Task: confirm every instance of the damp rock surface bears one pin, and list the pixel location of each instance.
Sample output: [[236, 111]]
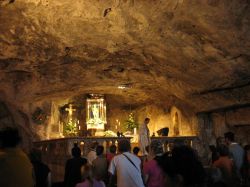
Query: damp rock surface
[[186, 53]]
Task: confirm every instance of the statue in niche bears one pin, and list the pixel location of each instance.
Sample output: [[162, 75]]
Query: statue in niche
[[95, 112], [176, 124]]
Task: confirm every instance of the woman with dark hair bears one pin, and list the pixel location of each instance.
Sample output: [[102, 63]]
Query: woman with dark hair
[[182, 169], [42, 171], [153, 175]]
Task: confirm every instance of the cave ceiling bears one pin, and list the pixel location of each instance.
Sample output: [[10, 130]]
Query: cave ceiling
[[173, 52]]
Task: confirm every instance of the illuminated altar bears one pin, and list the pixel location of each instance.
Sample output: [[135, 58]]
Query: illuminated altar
[[96, 112]]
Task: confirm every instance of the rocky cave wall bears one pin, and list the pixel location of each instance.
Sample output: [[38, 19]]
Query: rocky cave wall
[[214, 124]]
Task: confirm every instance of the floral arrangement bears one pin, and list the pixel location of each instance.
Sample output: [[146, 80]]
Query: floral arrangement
[[109, 133], [70, 128], [130, 123]]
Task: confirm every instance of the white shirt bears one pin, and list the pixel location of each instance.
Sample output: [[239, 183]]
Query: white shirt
[[127, 174], [238, 155]]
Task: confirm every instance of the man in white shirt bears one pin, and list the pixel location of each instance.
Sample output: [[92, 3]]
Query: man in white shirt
[[236, 151], [126, 166]]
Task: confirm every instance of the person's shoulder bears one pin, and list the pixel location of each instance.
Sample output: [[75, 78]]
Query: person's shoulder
[[117, 157], [236, 146], [132, 156], [151, 162]]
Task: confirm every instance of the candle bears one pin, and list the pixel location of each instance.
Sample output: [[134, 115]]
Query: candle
[[79, 127], [116, 127], [134, 131]]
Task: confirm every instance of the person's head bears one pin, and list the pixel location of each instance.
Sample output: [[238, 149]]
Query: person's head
[[124, 146], [147, 120], [223, 150], [99, 150], [229, 137], [136, 150], [112, 149], [9, 137], [75, 144], [87, 172], [76, 152], [184, 167], [171, 176], [155, 148]]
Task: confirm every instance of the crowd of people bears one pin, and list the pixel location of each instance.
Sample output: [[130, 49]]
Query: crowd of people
[[123, 167]]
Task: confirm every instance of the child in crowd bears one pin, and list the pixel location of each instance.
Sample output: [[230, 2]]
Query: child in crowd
[[88, 179]]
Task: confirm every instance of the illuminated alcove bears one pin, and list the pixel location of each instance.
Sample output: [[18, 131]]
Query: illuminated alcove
[[96, 112]]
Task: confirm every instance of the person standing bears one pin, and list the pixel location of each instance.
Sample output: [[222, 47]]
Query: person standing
[[15, 166], [126, 166], [73, 166], [236, 151], [153, 174], [144, 136], [41, 170], [225, 166], [100, 165]]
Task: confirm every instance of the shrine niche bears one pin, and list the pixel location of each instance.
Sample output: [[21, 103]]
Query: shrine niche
[[69, 123], [96, 112]]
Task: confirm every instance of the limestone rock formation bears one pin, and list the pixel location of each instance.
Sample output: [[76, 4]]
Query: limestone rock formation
[[191, 54]]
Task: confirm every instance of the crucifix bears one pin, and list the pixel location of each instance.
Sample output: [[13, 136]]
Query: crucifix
[[70, 110]]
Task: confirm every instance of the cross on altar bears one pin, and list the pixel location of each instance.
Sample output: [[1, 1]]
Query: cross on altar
[[70, 110]]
